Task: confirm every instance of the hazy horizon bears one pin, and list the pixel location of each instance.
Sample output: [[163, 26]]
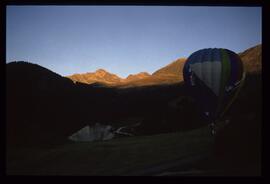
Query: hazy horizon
[[124, 39]]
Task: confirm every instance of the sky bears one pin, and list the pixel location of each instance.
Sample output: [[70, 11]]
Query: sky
[[124, 39]]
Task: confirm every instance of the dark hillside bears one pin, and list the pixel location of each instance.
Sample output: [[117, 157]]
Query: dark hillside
[[43, 107]]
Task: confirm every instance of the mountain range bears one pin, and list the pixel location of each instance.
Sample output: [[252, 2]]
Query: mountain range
[[171, 73], [43, 106], [166, 75]]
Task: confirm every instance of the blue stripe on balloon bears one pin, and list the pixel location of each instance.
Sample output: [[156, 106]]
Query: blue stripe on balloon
[[192, 58], [201, 55], [186, 73], [216, 56], [234, 68], [196, 56], [206, 55]]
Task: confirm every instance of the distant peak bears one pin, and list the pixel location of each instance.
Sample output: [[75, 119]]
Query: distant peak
[[138, 76], [144, 73], [101, 71]]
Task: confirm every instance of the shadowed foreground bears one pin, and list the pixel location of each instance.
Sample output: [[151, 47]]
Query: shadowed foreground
[[142, 155]]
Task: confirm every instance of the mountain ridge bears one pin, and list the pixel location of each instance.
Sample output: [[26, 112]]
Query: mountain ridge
[[100, 75], [171, 73], [252, 59]]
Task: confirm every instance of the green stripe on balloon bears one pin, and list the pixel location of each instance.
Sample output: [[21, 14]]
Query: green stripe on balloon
[[225, 75], [227, 65]]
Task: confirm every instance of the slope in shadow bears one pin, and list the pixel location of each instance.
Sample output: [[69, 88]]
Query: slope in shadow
[[44, 107]]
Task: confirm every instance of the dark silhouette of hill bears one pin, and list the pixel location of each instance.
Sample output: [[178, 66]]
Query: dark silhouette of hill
[[29, 90], [43, 107]]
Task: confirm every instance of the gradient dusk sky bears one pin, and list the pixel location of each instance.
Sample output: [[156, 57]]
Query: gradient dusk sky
[[124, 39]]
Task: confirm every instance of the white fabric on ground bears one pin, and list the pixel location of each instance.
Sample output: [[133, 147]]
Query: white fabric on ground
[[93, 133]]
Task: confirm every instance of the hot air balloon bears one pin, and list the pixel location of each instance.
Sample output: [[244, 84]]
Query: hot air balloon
[[213, 78]]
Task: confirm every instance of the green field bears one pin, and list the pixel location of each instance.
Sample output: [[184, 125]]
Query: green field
[[139, 155]]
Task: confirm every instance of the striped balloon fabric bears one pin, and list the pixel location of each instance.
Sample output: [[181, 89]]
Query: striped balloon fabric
[[214, 78]]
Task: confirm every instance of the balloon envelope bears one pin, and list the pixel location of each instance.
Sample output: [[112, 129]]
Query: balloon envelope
[[213, 77]]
